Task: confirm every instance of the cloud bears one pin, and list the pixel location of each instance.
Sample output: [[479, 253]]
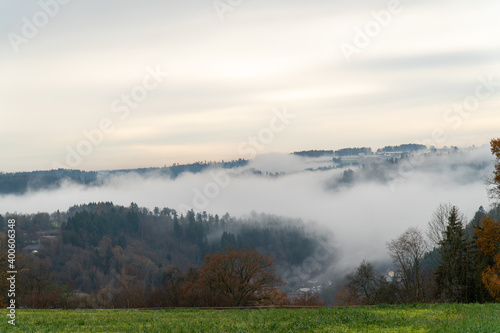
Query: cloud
[[263, 55]]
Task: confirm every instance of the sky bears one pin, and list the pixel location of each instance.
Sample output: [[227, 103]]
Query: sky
[[99, 85]]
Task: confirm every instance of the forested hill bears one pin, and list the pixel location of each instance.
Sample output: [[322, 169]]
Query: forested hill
[[86, 245], [22, 182]]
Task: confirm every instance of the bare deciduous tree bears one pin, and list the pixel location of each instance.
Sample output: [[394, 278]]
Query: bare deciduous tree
[[408, 251]]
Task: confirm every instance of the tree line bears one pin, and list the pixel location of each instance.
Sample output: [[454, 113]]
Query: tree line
[[22, 182]]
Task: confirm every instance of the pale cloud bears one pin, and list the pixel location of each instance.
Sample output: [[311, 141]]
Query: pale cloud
[[227, 75]]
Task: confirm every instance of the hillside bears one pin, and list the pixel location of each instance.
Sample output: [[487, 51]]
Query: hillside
[[88, 246]]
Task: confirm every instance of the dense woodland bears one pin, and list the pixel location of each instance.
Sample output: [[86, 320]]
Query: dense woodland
[[87, 249], [103, 255]]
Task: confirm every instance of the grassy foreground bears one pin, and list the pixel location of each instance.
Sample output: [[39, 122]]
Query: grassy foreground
[[412, 318]]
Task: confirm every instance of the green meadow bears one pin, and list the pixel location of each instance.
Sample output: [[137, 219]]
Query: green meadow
[[479, 318]]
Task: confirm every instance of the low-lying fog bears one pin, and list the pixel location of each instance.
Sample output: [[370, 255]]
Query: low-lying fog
[[364, 210]]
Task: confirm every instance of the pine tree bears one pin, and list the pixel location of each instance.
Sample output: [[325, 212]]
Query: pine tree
[[451, 275]]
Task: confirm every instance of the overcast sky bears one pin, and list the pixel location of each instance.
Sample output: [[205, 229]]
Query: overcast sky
[[416, 74]]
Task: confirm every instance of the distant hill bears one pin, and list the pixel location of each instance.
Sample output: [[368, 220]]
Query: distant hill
[[22, 182]]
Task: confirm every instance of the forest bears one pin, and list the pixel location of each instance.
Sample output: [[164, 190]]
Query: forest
[[88, 249]]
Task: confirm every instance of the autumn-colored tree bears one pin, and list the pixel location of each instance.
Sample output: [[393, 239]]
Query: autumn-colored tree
[[491, 279], [488, 240], [234, 278], [488, 234]]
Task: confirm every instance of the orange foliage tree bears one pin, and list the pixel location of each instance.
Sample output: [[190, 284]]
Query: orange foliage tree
[[488, 242], [489, 233], [488, 236], [234, 278]]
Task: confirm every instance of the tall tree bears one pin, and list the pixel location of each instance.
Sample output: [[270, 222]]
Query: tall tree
[[489, 235], [489, 243], [452, 274], [408, 251]]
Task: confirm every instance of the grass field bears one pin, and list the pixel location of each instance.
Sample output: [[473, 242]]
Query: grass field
[[412, 318]]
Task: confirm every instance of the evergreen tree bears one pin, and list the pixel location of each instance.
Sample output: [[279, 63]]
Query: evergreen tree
[[451, 275]]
